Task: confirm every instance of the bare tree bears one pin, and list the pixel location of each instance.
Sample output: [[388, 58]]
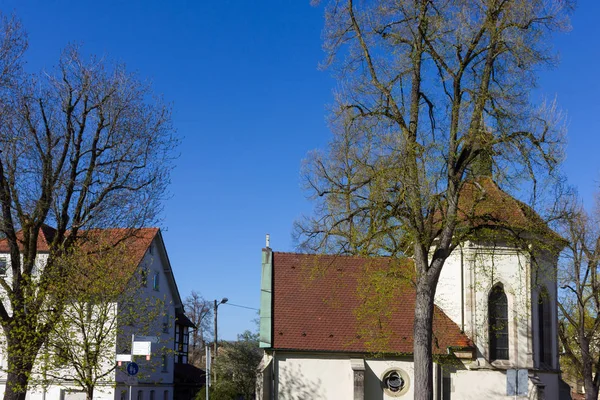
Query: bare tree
[[85, 145], [199, 311], [579, 305], [237, 369], [431, 95]]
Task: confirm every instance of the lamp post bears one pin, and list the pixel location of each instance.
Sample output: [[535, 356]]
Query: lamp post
[[223, 301]]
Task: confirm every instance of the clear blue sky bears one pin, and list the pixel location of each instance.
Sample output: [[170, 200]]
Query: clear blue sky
[[249, 103]]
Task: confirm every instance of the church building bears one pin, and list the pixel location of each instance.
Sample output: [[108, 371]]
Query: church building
[[341, 327]]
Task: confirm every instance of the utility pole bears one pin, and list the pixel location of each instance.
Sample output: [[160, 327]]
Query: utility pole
[[216, 345]]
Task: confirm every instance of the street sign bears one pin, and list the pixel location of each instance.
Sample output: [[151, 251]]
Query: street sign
[[139, 338], [141, 348], [131, 380], [132, 368], [124, 357]]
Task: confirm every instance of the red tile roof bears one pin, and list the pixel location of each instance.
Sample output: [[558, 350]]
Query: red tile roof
[[136, 240], [118, 266], [45, 237], [483, 204], [350, 304]]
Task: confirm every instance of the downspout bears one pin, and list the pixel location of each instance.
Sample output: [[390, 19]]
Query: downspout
[[462, 291], [273, 361]]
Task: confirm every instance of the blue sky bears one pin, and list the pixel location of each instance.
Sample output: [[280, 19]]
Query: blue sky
[[249, 102]]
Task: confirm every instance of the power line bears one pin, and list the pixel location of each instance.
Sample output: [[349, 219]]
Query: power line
[[237, 305]]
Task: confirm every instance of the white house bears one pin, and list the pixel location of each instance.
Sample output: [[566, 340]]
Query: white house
[[340, 327], [157, 376]]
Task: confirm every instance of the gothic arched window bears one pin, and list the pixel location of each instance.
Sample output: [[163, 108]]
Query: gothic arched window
[[498, 323]]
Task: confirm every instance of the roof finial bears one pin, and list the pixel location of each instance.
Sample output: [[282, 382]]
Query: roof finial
[[268, 239]]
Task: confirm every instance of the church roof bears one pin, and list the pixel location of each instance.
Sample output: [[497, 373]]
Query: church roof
[[337, 304], [483, 204]]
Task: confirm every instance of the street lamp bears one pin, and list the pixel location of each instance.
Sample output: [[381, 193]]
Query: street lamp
[[223, 301]]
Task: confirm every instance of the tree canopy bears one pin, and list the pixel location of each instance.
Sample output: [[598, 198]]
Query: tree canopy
[[84, 145], [430, 96]]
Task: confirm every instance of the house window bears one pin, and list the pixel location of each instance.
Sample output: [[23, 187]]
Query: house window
[[166, 395], [164, 363], [181, 343], [156, 281], [3, 264], [544, 328], [140, 395], [498, 323], [152, 395], [166, 323]]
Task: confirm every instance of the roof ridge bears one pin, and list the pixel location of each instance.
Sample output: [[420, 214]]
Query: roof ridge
[[336, 255]]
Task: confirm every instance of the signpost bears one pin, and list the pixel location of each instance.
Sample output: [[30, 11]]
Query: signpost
[[140, 338], [208, 366], [140, 346], [132, 368]]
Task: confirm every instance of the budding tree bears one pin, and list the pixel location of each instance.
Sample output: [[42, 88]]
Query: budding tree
[[431, 95], [579, 304], [199, 311], [84, 145]]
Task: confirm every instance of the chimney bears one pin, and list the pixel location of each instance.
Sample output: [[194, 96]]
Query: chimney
[[268, 240]]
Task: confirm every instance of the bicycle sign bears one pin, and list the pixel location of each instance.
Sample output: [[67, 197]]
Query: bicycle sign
[[132, 368]]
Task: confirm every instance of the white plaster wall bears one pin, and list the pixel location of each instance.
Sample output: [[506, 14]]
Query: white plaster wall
[[488, 384], [374, 373], [161, 392], [153, 378], [330, 377], [151, 372], [54, 393], [544, 275], [313, 377], [448, 293], [484, 266]]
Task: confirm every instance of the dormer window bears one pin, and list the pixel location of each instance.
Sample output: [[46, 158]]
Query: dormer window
[[498, 323]]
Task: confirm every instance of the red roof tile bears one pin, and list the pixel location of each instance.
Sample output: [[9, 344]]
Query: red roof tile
[[94, 265], [483, 204], [136, 240], [350, 304]]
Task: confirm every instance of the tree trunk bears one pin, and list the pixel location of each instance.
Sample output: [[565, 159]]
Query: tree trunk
[[16, 386], [17, 379], [21, 353], [423, 360], [89, 393], [592, 393]]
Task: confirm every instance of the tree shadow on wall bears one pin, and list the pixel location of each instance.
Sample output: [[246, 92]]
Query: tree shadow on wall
[[293, 385], [373, 388]]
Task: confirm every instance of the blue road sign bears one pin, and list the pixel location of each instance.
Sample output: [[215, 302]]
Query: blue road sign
[[132, 368]]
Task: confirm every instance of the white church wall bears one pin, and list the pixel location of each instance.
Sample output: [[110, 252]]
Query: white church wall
[[301, 377], [482, 267], [377, 368], [487, 384], [450, 289], [329, 377]]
